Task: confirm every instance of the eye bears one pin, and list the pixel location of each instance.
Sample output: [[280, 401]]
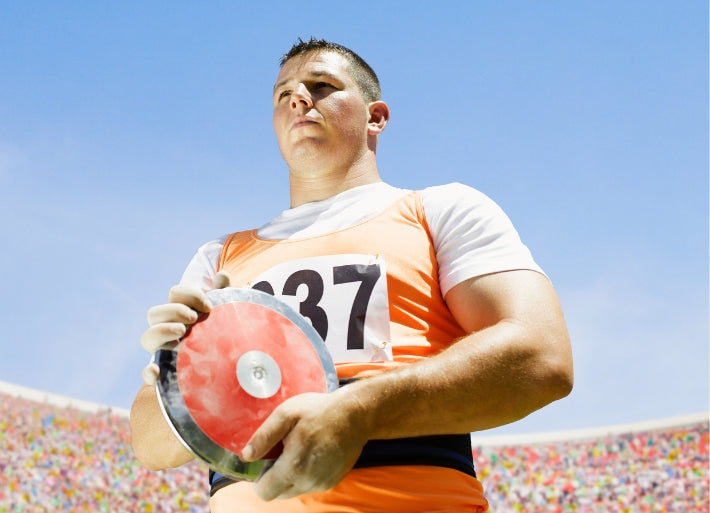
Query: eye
[[283, 94]]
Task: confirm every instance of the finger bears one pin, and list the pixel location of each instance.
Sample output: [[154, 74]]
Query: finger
[[150, 374], [221, 280], [288, 477], [190, 296], [271, 432], [269, 486], [172, 312], [161, 334], [293, 473]]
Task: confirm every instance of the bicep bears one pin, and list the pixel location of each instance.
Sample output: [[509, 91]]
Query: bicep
[[524, 305], [523, 296]]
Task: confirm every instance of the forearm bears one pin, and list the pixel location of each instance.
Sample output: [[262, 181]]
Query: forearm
[[487, 379], [154, 443]]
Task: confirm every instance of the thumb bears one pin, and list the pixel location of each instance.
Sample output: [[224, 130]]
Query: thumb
[[221, 280]]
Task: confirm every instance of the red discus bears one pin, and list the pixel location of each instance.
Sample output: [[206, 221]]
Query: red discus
[[232, 368]]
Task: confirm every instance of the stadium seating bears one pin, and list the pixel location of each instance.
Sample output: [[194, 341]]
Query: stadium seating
[[63, 459]]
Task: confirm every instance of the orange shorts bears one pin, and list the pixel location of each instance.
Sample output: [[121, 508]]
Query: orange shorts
[[399, 489]]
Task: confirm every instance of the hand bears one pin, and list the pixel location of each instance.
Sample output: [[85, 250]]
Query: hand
[[169, 322], [322, 435]]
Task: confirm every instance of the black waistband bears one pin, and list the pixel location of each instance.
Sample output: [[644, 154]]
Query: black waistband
[[218, 481], [450, 451]]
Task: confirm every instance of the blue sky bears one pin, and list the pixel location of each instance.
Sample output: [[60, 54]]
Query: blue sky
[[132, 132]]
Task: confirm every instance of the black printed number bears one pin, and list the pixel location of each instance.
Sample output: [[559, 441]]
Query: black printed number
[[309, 306], [264, 286], [367, 275]]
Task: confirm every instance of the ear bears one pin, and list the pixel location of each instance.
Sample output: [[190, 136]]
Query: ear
[[379, 116]]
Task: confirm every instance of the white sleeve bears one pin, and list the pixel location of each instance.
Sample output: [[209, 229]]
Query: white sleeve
[[202, 268], [472, 235]]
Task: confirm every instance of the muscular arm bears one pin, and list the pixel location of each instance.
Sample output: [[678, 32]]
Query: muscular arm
[[153, 440], [515, 360]]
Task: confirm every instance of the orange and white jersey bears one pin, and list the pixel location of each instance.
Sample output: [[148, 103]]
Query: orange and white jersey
[[370, 267], [405, 489]]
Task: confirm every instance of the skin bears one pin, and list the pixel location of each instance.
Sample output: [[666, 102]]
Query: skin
[[515, 359], [326, 132]]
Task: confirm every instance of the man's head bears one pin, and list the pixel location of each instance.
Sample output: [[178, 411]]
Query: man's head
[[361, 72], [325, 125]]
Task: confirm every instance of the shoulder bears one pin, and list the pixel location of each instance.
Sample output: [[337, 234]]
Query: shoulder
[[471, 234], [455, 196], [454, 207], [203, 265]]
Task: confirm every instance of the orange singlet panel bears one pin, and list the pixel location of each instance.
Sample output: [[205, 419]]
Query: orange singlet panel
[[420, 324], [395, 270], [404, 489]]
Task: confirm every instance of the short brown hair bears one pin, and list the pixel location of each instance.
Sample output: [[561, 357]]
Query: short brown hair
[[360, 70]]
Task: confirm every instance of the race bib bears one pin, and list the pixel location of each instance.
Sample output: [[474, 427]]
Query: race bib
[[345, 299]]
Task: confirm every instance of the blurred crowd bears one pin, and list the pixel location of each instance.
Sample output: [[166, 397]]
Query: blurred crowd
[[65, 460], [663, 470]]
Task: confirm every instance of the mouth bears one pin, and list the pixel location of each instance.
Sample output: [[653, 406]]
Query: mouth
[[302, 122]]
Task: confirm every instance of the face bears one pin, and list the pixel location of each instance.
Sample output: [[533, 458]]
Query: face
[[320, 117]]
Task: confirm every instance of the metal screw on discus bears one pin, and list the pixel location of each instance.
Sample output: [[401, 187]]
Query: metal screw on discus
[[258, 374]]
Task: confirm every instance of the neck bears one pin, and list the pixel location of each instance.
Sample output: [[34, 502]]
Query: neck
[[313, 185]]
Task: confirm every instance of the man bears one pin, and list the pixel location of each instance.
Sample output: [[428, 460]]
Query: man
[[463, 332]]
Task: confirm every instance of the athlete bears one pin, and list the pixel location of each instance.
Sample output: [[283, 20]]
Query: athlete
[[457, 328]]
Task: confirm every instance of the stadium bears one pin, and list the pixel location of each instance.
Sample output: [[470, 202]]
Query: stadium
[[70, 456], [133, 133]]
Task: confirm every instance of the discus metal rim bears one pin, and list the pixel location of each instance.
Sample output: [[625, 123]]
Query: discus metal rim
[[178, 416]]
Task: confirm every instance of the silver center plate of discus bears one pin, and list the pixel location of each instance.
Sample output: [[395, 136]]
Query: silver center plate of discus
[[258, 374]]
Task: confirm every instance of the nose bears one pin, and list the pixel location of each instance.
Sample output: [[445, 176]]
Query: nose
[[300, 97]]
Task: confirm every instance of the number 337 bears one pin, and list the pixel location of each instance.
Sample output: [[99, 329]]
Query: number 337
[[334, 293]]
